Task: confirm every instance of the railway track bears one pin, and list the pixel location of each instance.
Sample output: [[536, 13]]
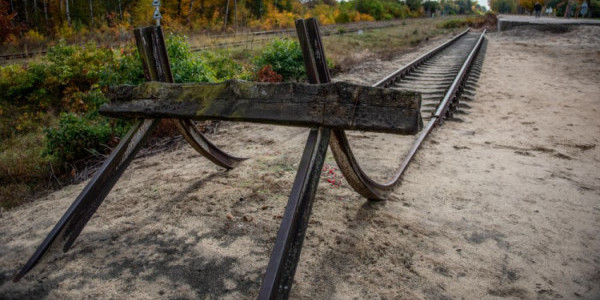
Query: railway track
[[444, 76], [434, 77]]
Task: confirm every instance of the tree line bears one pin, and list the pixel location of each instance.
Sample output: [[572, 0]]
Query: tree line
[[62, 17]]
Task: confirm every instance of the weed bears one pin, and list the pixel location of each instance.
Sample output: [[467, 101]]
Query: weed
[[285, 58]]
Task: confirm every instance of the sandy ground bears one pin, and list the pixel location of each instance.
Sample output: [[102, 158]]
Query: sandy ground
[[505, 204]]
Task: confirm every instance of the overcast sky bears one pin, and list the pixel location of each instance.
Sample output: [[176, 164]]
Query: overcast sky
[[483, 3]]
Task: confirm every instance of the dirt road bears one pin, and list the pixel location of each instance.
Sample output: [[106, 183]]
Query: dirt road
[[504, 204]]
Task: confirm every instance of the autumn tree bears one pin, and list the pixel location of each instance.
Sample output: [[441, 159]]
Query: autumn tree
[[7, 22]]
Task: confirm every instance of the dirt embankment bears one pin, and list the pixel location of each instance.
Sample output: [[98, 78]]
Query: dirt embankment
[[505, 204]]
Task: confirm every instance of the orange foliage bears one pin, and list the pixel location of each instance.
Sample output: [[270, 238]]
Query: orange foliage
[[266, 74]]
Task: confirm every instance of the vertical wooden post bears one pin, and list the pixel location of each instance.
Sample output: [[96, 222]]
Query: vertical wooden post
[[280, 272]]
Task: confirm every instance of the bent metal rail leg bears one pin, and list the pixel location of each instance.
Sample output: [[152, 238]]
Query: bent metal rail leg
[[155, 61], [156, 66]]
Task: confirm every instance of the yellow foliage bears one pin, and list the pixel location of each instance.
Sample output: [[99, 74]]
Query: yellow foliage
[[33, 36], [65, 31], [363, 17]]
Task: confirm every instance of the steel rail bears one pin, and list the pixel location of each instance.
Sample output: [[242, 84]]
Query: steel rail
[[441, 111], [279, 276], [342, 151], [386, 81]]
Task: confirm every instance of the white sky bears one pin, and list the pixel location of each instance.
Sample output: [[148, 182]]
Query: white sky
[[483, 3]]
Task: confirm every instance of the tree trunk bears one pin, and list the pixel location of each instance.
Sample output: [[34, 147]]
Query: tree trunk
[[46, 11], [190, 11], [68, 12], [26, 14], [178, 8], [91, 14], [120, 10], [226, 14], [235, 15], [12, 7]]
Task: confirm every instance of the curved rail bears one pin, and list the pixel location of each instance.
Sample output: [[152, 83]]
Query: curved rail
[[207, 149], [342, 152]]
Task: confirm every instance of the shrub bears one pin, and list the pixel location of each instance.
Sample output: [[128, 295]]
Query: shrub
[[126, 69], [185, 66], [371, 7], [266, 74], [77, 137], [224, 67], [342, 17], [285, 58]]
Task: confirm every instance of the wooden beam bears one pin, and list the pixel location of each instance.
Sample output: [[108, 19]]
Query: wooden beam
[[337, 105]]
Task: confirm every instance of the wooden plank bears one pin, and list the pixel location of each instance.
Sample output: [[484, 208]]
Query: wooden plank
[[337, 105]]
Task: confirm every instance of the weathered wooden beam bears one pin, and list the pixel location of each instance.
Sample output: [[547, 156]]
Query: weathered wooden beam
[[336, 105]]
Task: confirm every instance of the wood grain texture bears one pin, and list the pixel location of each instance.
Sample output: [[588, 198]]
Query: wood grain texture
[[336, 105]]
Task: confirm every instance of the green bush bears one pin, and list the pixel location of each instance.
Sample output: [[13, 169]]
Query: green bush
[[224, 67], [343, 17], [185, 66], [126, 69], [285, 57], [371, 7], [77, 137]]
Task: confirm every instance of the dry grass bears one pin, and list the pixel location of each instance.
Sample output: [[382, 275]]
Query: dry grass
[[344, 50], [349, 49], [23, 169]]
